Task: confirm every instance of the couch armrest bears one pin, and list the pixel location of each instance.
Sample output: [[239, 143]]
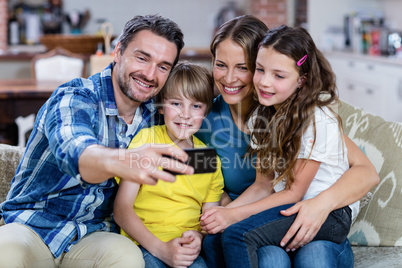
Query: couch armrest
[[10, 157]]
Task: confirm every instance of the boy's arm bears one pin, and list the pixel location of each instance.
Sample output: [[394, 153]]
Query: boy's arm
[[127, 218], [170, 252]]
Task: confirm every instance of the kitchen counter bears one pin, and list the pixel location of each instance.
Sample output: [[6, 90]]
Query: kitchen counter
[[393, 59], [15, 63], [21, 52], [28, 52]]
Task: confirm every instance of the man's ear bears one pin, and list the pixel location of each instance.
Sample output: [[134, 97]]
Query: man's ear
[[116, 52]]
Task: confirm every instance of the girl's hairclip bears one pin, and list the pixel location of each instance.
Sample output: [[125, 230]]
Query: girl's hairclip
[[302, 60]]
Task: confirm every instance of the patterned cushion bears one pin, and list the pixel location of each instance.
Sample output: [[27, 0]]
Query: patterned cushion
[[379, 223], [9, 159]]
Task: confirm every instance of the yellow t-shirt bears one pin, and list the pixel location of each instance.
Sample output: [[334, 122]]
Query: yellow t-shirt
[[169, 209]]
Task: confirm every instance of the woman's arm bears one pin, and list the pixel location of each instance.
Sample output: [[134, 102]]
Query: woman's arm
[[351, 187]]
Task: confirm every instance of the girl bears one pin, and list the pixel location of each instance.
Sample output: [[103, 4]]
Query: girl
[[234, 52], [296, 137]]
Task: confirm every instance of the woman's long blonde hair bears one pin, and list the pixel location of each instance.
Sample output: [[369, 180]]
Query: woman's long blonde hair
[[277, 133]]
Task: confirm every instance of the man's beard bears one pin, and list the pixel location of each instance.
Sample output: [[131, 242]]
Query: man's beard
[[125, 88]]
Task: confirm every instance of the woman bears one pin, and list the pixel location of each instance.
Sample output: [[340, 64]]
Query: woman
[[234, 50]]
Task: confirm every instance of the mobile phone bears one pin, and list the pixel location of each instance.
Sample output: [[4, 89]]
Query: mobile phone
[[203, 160]]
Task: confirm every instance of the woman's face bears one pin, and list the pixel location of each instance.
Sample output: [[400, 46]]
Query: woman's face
[[232, 77]]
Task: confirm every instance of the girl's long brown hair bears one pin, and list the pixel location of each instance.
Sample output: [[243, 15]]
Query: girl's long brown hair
[[277, 133]]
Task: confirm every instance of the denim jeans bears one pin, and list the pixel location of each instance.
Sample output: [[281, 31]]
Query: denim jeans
[[153, 262], [317, 254], [240, 242]]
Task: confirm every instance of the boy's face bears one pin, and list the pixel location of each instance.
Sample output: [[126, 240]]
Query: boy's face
[[183, 117]]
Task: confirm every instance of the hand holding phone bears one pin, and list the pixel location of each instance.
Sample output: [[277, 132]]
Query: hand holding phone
[[203, 160]]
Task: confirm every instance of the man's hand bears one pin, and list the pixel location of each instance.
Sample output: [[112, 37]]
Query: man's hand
[[140, 165], [311, 215]]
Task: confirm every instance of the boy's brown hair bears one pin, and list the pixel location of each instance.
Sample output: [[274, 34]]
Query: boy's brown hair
[[191, 81]]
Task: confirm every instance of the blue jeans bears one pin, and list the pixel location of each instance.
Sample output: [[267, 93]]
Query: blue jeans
[[153, 262], [239, 243], [317, 254]]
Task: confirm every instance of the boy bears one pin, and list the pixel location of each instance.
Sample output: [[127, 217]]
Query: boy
[[165, 219]]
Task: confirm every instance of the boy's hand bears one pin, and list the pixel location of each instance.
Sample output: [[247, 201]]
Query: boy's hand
[[196, 238], [174, 254]]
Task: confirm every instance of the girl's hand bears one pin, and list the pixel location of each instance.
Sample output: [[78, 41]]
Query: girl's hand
[[311, 215], [217, 219]]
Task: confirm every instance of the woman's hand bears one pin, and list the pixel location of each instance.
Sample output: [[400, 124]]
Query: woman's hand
[[311, 215]]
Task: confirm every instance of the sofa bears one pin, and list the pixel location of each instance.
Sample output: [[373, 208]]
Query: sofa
[[376, 234]]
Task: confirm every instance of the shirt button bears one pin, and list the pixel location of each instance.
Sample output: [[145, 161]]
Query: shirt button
[[99, 190]]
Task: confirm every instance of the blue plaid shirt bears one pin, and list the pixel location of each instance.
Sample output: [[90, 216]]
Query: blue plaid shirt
[[47, 193]]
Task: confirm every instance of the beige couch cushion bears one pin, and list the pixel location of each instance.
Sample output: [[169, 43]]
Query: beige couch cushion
[[9, 159], [379, 223]]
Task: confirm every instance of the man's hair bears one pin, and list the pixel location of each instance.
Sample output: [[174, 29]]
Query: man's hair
[[191, 81], [156, 24]]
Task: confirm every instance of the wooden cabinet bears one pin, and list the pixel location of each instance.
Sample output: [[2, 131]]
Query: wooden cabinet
[[374, 84]]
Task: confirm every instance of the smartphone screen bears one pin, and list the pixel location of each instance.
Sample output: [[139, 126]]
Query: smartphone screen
[[203, 160]]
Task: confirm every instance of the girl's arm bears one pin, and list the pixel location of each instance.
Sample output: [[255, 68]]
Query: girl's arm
[[261, 188], [304, 170], [208, 205], [351, 187], [217, 219]]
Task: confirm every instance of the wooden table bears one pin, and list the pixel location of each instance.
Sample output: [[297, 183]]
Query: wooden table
[[21, 97]]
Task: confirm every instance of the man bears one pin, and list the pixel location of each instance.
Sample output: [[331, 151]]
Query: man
[[58, 211]]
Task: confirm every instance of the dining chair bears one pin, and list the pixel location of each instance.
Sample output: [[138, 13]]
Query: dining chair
[[58, 64]]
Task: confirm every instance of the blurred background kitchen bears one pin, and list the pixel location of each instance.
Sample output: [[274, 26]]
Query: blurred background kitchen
[[361, 38]]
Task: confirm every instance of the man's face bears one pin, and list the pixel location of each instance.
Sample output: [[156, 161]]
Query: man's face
[[143, 68]]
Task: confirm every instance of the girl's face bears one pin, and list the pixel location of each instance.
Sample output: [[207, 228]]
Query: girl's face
[[183, 117], [275, 78], [232, 77]]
